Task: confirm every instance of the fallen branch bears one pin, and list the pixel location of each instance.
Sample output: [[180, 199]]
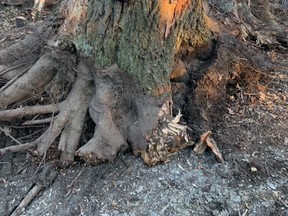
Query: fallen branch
[[44, 180], [9, 135], [27, 200]]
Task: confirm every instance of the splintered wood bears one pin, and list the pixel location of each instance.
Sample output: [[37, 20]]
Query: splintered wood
[[164, 141]]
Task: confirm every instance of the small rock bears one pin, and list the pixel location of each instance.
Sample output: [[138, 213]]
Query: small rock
[[254, 169], [209, 199], [215, 212], [267, 204], [271, 185], [139, 189]]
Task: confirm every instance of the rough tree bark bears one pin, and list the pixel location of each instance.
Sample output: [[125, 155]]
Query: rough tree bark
[[116, 59], [125, 55]]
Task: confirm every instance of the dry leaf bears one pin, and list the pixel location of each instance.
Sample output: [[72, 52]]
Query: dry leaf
[[207, 140], [169, 138], [202, 145], [212, 144], [200, 148]]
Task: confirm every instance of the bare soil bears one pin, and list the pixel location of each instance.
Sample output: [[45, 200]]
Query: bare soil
[[245, 107]]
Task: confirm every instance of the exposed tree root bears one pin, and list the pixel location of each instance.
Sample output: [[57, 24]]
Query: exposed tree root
[[45, 178], [262, 26], [39, 121], [123, 113], [9, 115], [20, 49], [17, 148], [35, 79], [117, 109], [71, 116]]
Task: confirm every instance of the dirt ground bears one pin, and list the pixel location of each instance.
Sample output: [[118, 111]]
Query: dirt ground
[[249, 124]]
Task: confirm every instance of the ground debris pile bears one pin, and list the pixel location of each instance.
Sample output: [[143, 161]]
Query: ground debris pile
[[170, 137]]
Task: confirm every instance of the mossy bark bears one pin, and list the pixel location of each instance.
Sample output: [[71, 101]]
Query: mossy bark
[[135, 35]]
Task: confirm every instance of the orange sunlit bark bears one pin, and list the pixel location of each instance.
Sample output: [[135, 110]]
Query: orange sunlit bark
[[169, 11]]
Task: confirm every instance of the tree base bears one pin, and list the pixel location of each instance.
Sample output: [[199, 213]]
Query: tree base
[[125, 116]]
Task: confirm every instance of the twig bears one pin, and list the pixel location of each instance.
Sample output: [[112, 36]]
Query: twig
[[14, 139], [39, 121], [265, 74], [22, 168], [11, 68], [45, 153], [47, 172], [266, 168], [14, 79], [73, 181], [4, 163], [77, 176], [3, 39], [245, 212], [39, 166], [32, 134]]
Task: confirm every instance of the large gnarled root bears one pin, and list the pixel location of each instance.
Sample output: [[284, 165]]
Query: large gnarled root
[[16, 59], [107, 139], [123, 115], [71, 116]]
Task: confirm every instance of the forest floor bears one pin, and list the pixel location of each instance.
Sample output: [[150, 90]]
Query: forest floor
[[250, 128]]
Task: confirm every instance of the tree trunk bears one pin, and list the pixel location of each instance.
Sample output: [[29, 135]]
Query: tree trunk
[[141, 37]]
